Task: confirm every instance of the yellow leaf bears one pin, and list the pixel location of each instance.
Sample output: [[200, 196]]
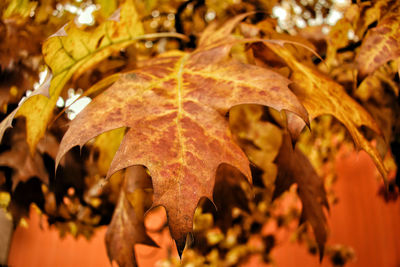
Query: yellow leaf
[[320, 95], [69, 53]]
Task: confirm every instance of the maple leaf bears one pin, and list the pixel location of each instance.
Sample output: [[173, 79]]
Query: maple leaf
[[321, 96], [175, 107], [381, 43], [127, 225], [294, 167]]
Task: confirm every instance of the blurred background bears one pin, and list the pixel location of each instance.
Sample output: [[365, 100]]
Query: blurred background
[[362, 220]]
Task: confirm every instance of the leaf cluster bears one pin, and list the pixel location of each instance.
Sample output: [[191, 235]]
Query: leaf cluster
[[214, 110]]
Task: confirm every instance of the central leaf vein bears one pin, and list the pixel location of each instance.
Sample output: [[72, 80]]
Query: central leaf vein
[[179, 89]]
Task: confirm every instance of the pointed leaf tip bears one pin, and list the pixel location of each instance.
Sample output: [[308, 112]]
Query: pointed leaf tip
[[180, 245], [7, 123], [321, 248], [60, 32]]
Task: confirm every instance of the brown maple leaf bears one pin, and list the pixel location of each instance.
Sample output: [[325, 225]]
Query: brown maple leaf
[[127, 225], [175, 108], [381, 43], [294, 167]]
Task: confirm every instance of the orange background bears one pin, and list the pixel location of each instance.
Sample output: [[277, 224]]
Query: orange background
[[361, 219]]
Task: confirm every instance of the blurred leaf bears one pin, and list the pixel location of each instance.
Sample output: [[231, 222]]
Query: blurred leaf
[[23, 40], [259, 139], [337, 38], [21, 8], [127, 225], [367, 15], [294, 167], [381, 44]]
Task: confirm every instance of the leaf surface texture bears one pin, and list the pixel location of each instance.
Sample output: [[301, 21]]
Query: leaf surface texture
[[175, 108]]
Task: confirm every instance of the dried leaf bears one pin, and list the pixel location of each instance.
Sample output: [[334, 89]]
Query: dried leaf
[[320, 96], [367, 14], [127, 226], [294, 167], [175, 108], [381, 44]]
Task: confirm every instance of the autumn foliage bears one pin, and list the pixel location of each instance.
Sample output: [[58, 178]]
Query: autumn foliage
[[212, 110]]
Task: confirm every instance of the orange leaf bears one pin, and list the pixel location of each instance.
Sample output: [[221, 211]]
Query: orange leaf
[[294, 167], [127, 225]]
